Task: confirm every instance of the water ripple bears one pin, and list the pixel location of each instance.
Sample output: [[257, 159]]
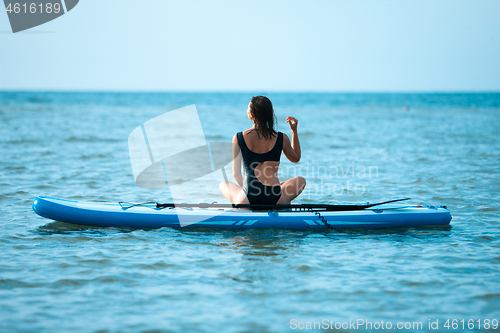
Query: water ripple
[[59, 276]]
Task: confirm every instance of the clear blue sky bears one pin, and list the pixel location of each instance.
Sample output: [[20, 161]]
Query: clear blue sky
[[236, 45]]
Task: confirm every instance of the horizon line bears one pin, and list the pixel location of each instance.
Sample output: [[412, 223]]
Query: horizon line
[[126, 91]]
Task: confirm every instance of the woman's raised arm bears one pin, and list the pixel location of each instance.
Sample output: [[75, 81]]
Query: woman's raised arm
[[292, 149]]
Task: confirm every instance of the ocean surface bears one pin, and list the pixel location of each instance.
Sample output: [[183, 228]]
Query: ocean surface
[[438, 149]]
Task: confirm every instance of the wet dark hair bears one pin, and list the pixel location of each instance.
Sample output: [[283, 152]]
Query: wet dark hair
[[263, 116]]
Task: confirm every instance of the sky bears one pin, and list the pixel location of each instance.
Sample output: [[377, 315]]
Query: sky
[[273, 45]]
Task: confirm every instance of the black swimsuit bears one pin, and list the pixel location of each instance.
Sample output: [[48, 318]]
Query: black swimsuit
[[258, 193]]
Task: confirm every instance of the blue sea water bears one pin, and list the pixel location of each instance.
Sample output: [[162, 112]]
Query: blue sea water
[[439, 149]]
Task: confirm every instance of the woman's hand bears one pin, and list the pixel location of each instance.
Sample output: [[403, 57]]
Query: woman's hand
[[293, 123]]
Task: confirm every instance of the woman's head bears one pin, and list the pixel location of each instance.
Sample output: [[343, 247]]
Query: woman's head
[[260, 111]]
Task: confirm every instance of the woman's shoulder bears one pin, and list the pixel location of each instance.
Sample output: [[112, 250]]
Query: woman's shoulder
[[238, 136], [248, 131], [242, 133]]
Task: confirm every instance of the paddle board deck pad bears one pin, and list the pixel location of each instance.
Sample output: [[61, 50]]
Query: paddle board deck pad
[[148, 216]]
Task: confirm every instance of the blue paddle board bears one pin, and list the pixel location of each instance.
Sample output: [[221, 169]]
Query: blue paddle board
[[148, 216]]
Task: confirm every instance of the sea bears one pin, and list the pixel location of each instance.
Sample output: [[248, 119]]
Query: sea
[[437, 149]]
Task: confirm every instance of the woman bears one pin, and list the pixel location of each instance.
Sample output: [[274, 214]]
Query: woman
[[259, 148]]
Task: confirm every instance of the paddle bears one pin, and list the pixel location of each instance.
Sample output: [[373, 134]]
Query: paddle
[[306, 207]]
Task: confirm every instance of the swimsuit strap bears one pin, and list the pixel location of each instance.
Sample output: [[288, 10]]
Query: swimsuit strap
[[241, 142]]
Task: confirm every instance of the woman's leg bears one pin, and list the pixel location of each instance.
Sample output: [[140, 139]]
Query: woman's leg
[[291, 189], [233, 192]]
